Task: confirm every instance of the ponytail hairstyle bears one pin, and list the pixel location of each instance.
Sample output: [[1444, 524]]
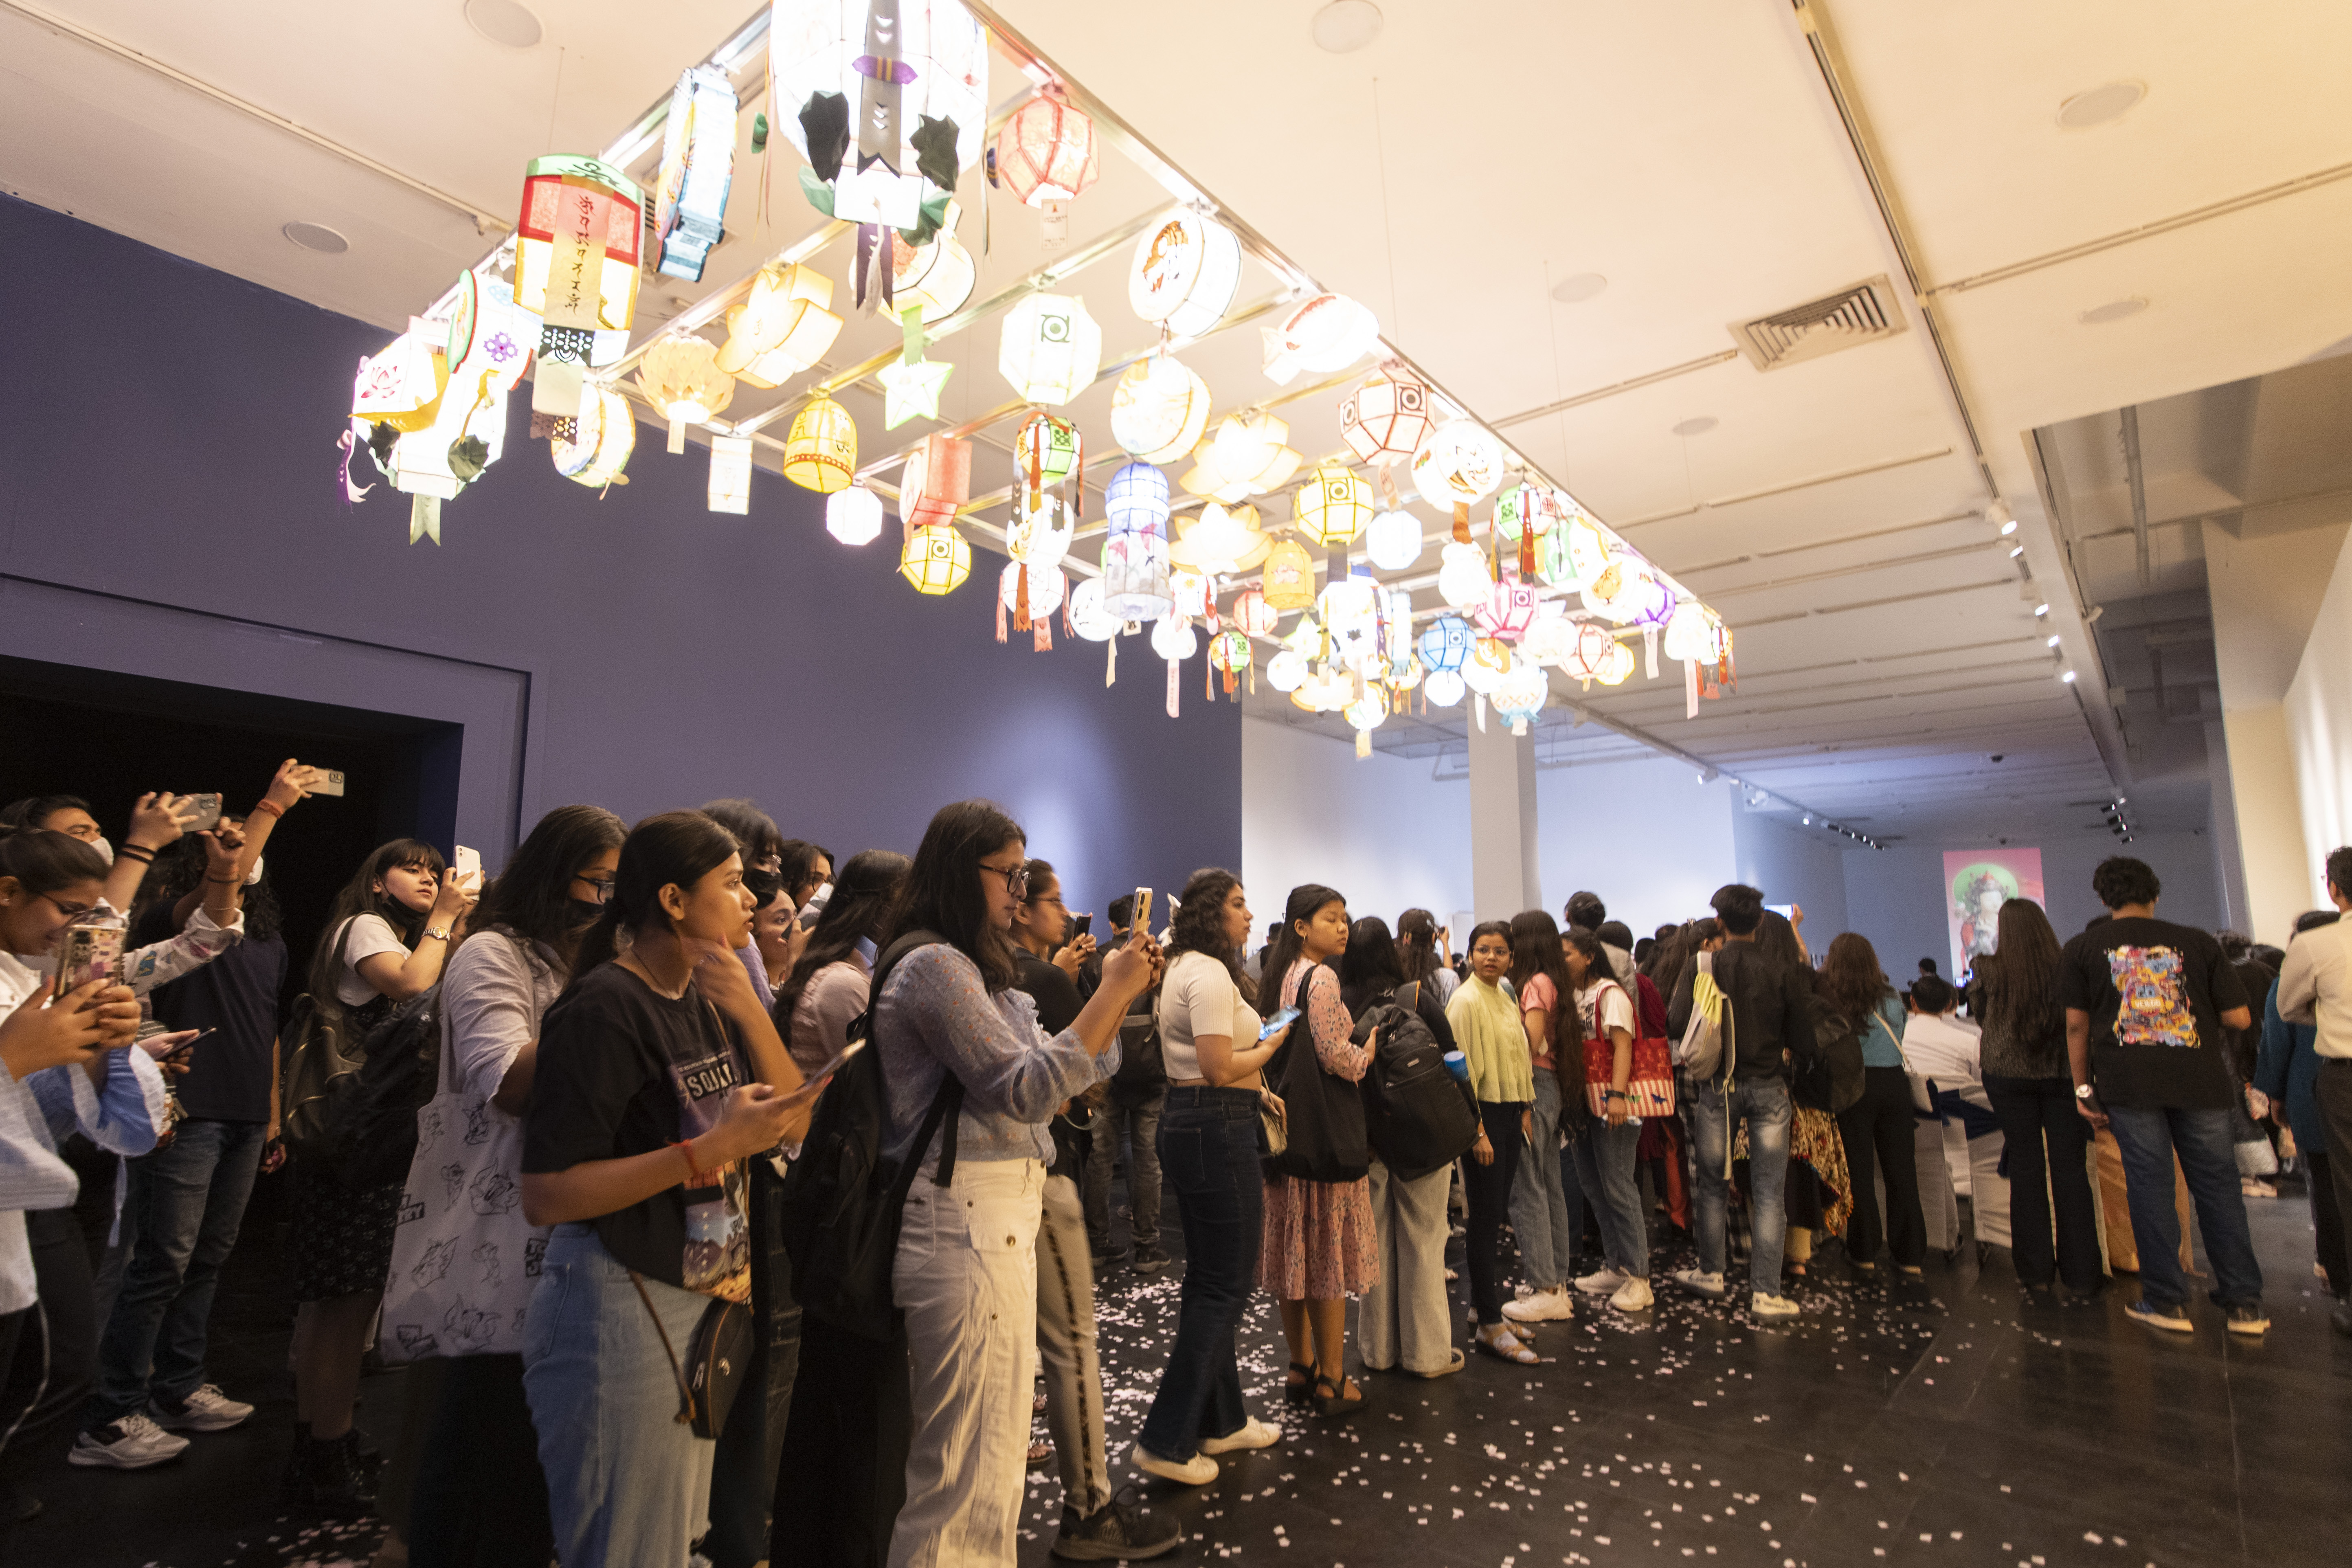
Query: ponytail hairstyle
[[866, 893], [943, 891], [43, 862], [532, 898], [675, 848], [1304, 900], [1199, 925], [1416, 935], [361, 896]]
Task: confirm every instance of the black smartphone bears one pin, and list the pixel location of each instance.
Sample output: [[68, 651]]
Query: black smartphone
[[207, 808], [1080, 925]]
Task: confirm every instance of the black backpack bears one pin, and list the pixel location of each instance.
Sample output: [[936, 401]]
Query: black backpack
[[1825, 1059], [1141, 1071], [843, 1200], [1419, 1116], [351, 1112]]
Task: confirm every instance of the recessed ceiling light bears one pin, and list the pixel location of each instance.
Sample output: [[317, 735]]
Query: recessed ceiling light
[[316, 236], [1698, 426], [1578, 289], [2101, 104], [2113, 311], [504, 22], [1346, 26]]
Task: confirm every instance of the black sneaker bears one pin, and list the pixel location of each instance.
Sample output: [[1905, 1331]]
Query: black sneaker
[[1150, 1262], [2248, 1318], [1121, 1528], [2340, 1317], [2172, 1316]]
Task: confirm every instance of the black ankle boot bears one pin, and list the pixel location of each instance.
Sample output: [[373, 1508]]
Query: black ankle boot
[[335, 1486], [294, 1486]]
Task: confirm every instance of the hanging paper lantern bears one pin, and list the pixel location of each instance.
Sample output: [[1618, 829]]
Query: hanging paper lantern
[[1220, 542], [1189, 593], [1694, 633], [1509, 610], [697, 167], [1386, 419], [821, 452], [1620, 665], [1611, 594], [599, 441], [1254, 615], [1159, 408], [1445, 644], [1350, 607], [1462, 580], [731, 474], [1555, 562], [1031, 536], [1286, 671], [1368, 712], [575, 267], [1333, 505], [1229, 654], [1588, 551], [1046, 151], [1051, 348], [1048, 588], [1045, 451], [782, 326], [886, 103], [1649, 600], [1445, 687], [936, 277], [1490, 660], [854, 516], [1173, 638], [935, 559], [402, 386], [1589, 654], [1135, 553], [1184, 274], [1088, 616], [1550, 639], [1520, 695], [1392, 539], [1525, 502], [1327, 332], [936, 481], [1458, 465], [681, 378], [484, 350], [1249, 455], [1289, 577]]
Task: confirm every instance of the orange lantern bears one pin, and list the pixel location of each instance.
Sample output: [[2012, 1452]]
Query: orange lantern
[[936, 482]]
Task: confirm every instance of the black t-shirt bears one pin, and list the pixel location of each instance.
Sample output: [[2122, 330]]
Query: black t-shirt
[[622, 1071], [2156, 993], [234, 994], [1058, 1006]]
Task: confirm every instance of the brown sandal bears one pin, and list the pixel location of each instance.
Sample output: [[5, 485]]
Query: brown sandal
[[1333, 1403]]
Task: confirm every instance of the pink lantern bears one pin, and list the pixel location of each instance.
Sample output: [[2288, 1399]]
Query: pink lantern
[[1046, 151], [1509, 610]]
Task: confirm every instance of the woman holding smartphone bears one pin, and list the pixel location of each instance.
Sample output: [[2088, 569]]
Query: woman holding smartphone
[[1209, 1143]]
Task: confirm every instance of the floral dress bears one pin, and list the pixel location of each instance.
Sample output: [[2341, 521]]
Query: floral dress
[[1318, 1242]]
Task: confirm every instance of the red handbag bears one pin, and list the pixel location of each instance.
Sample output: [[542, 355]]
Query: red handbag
[[1651, 1089]]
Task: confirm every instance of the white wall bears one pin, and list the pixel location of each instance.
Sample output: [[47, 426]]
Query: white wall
[[2319, 728], [1646, 835], [1380, 829], [1794, 867]]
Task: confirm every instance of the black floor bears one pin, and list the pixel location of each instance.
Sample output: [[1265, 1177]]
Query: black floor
[[1937, 1423]]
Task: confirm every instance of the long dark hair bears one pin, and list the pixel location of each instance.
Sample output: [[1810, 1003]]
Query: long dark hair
[[1199, 925], [1284, 950], [1416, 934], [359, 897], [865, 893], [943, 891], [1852, 983], [677, 847], [43, 862], [1370, 965], [799, 858], [2020, 978], [532, 897], [1535, 949], [181, 869]]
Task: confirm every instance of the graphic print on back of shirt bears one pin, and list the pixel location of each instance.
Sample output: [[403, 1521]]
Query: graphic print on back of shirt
[[2152, 1008], [717, 1259]]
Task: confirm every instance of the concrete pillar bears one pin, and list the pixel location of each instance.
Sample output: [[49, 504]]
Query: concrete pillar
[[1502, 878], [2270, 823], [2222, 828]]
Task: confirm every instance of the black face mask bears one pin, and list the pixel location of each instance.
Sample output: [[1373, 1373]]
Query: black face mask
[[584, 913]]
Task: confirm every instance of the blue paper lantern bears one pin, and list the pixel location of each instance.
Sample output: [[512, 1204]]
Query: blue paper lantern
[[1445, 644], [1135, 553]]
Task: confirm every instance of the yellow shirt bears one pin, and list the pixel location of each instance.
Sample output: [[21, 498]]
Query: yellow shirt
[[1486, 1024]]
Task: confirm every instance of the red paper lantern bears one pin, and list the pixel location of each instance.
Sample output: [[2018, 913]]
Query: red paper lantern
[[1046, 151], [1254, 615], [936, 482]]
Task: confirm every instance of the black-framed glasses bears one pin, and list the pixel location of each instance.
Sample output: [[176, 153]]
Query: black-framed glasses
[[1016, 879], [71, 911], [601, 886]]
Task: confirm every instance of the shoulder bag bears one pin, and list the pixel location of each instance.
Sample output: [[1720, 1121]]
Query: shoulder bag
[[1323, 1114], [1649, 1092]]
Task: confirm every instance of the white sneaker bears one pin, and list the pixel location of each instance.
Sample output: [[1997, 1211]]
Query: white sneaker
[[1604, 1283], [132, 1443], [1521, 1292], [1254, 1434], [205, 1410], [1633, 1296], [1765, 1306], [1197, 1471], [1699, 1283], [1552, 1306]]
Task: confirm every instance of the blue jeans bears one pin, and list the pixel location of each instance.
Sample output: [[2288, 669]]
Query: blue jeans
[[1209, 1152], [1604, 1168], [1538, 1203], [1764, 1104], [181, 1212], [2148, 1141]]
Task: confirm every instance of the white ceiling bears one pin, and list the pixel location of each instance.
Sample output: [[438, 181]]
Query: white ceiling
[[1448, 175]]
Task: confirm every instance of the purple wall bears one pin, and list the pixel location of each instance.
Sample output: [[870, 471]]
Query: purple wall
[[167, 434]]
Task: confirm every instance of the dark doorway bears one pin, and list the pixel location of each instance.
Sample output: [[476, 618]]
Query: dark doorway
[[110, 738]]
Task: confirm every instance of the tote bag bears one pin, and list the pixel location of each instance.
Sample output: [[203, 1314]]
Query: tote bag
[[464, 1260], [1650, 1091]]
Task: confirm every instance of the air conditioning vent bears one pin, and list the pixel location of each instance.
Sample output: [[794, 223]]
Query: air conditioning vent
[[1862, 314]]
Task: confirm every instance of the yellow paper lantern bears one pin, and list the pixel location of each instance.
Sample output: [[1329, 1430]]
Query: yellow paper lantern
[[1333, 505], [1289, 577], [1250, 456], [935, 559], [681, 378], [596, 444], [821, 453], [402, 386], [781, 328], [1159, 408], [576, 249], [1619, 666], [1051, 348]]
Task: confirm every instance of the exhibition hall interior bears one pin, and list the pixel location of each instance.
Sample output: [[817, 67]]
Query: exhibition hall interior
[[945, 696]]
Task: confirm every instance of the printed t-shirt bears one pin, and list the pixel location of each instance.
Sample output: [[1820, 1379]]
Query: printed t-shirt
[[624, 1070], [2156, 993], [1601, 1007]]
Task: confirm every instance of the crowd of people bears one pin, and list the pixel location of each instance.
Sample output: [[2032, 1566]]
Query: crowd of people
[[719, 1198]]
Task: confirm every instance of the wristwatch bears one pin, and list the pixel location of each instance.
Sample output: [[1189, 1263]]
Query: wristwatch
[[438, 933], [2082, 1091]]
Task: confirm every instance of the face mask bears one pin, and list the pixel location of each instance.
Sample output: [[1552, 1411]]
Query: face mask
[[584, 913], [105, 849], [255, 875]]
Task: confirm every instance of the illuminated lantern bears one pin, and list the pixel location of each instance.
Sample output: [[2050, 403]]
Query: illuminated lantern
[[1289, 577], [1462, 580], [575, 267], [597, 444], [781, 328], [1549, 640], [485, 352], [697, 167], [1521, 695], [1392, 539], [1088, 616], [854, 516], [1254, 615], [1051, 348], [1365, 713], [1626, 591], [1046, 151], [1286, 671], [1045, 588], [1185, 271], [1445, 644], [1190, 592], [1031, 537], [1158, 408], [1555, 562], [1386, 419], [1045, 451], [935, 559], [936, 481], [1173, 638], [731, 474], [886, 103], [1458, 465], [821, 452], [1620, 665], [1589, 654], [1443, 687], [1229, 654], [1350, 607], [402, 386], [1694, 633], [1135, 553], [1509, 610], [681, 378], [1249, 456], [1652, 602], [936, 276], [1588, 551], [1327, 332], [1529, 516], [1490, 660], [1333, 505], [1220, 542]]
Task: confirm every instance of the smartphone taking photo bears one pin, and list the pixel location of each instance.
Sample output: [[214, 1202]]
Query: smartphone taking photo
[[207, 809], [86, 953]]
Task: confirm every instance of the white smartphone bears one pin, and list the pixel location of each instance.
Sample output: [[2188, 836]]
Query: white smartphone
[[325, 781], [1142, 910], [467, 866]]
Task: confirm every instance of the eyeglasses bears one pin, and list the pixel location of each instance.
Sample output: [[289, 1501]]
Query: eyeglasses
[[1016, 878], [71, 911], [601, 886]]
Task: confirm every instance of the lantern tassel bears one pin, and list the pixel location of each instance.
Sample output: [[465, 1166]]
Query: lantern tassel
[[1174, 687], [1479, 699], [1020, 600], [1111, 661], [1461, 523], [1000, 617], [1528, 548], [1363, 744], [425, 519], [1041, 635], [1650, 653], [1690, 689], [349, 443]]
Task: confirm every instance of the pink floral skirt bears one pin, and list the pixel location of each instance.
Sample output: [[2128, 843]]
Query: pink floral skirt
[[1319, 1242]]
